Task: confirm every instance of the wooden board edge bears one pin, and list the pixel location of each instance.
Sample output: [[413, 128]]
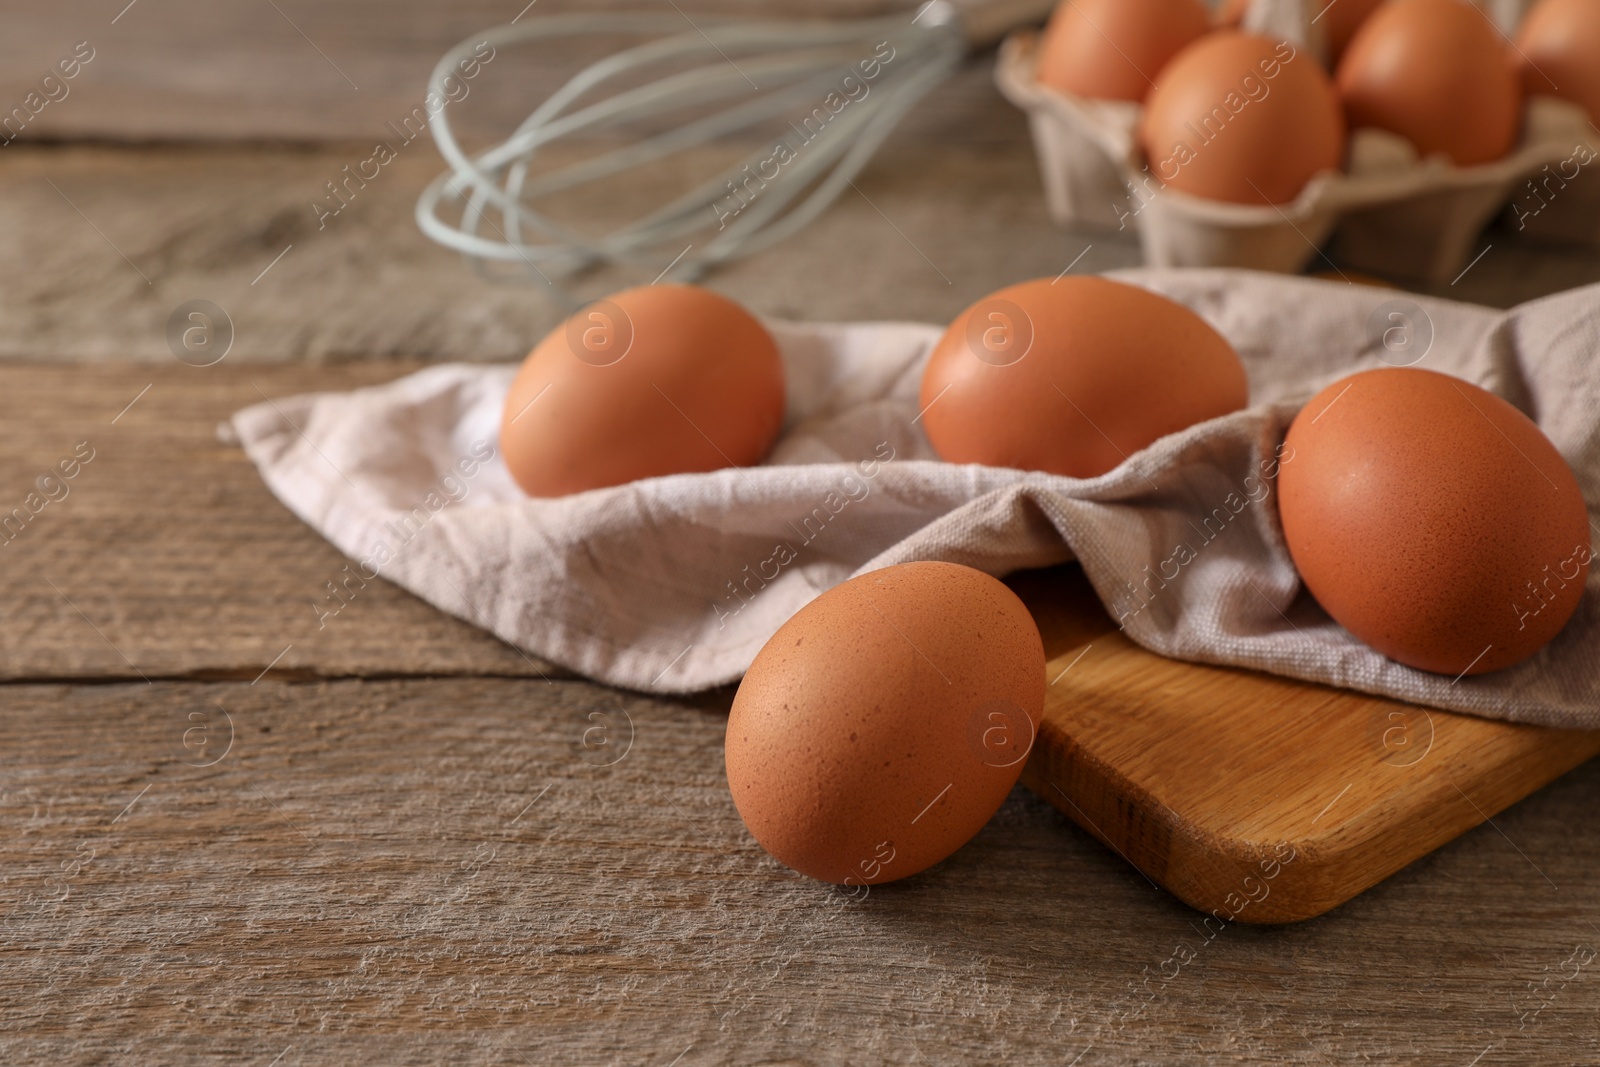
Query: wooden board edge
[[1270, 882]]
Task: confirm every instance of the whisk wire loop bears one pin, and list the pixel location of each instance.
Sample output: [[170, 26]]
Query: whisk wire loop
[[754, 73]]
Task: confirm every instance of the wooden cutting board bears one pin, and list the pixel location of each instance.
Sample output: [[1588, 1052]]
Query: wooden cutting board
[[1251, 797]]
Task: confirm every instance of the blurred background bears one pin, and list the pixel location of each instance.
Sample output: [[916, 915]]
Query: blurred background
[[301, 902], [187, 158], [200, 136]]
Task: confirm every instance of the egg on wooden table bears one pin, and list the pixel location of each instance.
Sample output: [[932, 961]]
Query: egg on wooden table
[[1433, 520], [1072, 376], [1244, 119], [664, 379], [1115, 49], [1437, 73], [884, 724]]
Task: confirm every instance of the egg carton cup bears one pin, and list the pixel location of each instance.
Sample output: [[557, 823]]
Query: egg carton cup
[[1561, 204], [1390, 212]]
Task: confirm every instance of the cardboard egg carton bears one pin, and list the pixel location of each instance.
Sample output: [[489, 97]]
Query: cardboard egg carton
[[1388, 212]]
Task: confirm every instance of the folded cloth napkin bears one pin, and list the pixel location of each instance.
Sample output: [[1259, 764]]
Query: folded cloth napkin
[[673, 584]]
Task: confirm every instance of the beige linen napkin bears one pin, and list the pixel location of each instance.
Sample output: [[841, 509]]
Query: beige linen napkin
[[674, 584]]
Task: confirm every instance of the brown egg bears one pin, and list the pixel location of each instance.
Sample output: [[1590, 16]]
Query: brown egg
[[884, 724], [666, 379], [1341, 20], [1244, 119], [1073, 376], [1433, 520], [1434, 72], [1114, 49], [1559, 46], [1230, 13]]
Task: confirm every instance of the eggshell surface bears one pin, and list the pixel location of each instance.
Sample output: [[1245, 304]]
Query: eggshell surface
[[1115, 49], [1230, 13], [1437, 73], [884, 724], [1558, 47], [1341, 20], [1433, 520], [1072, 376], [665, 379], [1242, 118]]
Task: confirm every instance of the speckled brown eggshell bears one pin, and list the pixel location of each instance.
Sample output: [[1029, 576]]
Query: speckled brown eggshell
[[1073, 376], [884, 724], [1433, 520], [663, 379]]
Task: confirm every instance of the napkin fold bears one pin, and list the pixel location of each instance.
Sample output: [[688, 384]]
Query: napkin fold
[[673, 584]]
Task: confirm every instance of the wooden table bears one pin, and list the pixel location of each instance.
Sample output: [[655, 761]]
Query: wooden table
[[227, 831]]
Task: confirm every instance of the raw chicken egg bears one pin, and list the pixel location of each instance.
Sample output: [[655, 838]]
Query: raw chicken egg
[[1433, 520], [1435, 72], [1341, 19], [1559, 49], [886, 721], [1230, 13], [1115, 49], [667, 379], [1073, 376], [1242, 118]]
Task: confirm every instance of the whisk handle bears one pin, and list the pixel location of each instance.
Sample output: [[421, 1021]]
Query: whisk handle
[[985, 22]]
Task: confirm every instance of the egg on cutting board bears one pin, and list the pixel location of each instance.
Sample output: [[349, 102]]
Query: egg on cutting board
[[884, 724], [664, 379], [1433, 520]]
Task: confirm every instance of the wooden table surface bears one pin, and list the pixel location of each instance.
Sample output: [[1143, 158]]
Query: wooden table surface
[[229, 831]]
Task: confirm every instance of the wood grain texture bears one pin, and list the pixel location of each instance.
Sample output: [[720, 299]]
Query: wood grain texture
[[360, 878], [205, 223], [1254, 797], [167, 556], [181, 70], [423, 871], [933, 229]]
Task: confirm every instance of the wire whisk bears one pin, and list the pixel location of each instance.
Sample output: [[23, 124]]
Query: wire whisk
[[843, 86]]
